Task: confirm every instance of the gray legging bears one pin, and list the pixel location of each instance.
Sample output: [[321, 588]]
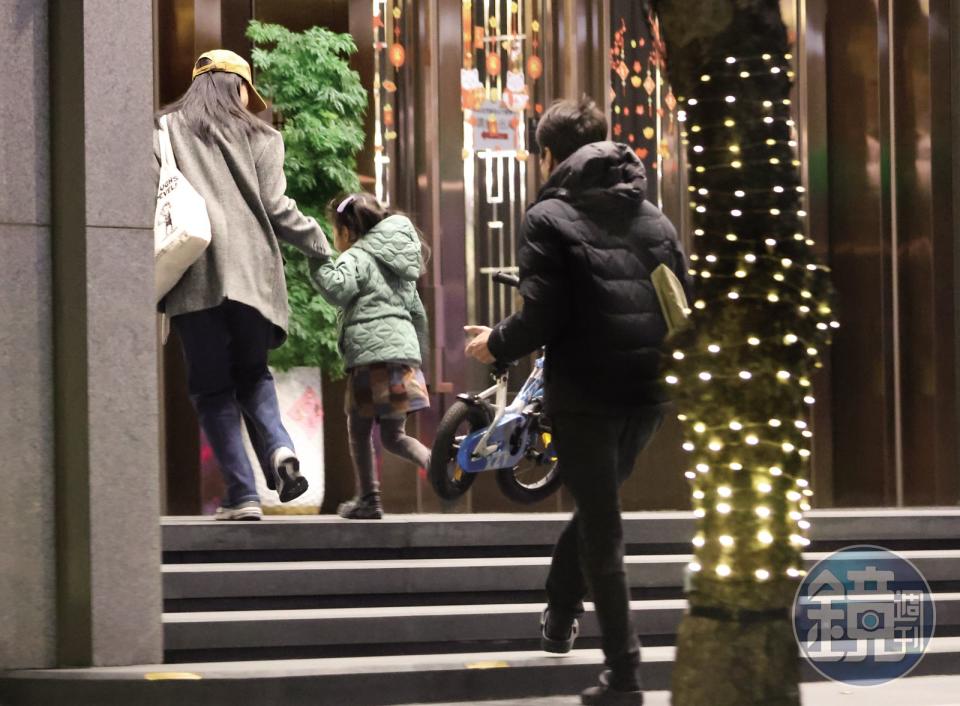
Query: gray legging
[[394, 437]]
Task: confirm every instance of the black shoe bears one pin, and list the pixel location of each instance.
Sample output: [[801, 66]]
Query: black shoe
[[285, 477], [367, 507], [557, 638], [606, 695]]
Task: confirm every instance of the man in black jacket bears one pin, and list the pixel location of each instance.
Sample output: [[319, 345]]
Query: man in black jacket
[[587, 251]]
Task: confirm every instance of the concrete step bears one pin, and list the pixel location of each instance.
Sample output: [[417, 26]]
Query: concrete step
[[413, 626], [369, 681], [474, 576], [394, 626], [199, 539]]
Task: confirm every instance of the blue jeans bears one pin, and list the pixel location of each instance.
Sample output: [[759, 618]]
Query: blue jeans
[[226, 350], [597, 455]]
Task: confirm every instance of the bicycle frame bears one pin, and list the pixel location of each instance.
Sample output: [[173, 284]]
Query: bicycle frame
[[497, 446]]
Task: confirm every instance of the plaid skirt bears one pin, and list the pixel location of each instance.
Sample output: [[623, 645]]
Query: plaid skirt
[[385, 390]]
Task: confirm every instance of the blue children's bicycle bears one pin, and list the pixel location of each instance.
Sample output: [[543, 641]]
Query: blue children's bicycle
[[514, 441]]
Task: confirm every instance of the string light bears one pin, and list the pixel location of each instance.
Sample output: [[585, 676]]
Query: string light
[[753, 264]]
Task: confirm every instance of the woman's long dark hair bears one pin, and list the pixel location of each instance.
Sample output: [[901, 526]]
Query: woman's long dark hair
[[358, 213], [213, 102]]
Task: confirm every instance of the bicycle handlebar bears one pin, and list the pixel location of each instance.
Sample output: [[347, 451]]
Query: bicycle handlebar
[[508, 280]]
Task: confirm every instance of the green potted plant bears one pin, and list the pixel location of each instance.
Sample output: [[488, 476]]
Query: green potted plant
[[319, 104]]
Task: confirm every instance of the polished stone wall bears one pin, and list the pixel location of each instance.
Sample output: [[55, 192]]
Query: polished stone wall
[[27, 556], [79, 460]]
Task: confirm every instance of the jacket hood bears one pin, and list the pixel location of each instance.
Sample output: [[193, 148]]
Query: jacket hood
[[395, 243], [603, 176]]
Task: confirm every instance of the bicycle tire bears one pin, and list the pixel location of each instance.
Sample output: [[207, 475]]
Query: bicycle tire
[[450, 486]]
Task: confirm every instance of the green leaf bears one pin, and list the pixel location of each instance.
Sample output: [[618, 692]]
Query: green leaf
[[308, 78]]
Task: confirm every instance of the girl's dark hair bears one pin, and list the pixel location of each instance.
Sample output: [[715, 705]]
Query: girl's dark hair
[[357, 214], [213, 101]]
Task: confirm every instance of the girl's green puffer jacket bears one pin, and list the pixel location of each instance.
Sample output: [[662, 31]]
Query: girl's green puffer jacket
[[374, 284]]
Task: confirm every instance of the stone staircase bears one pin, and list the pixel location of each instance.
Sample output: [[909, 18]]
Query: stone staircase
[[419, 609]]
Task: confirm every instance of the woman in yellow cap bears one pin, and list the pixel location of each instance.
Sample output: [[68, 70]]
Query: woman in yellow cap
[[230, 309]]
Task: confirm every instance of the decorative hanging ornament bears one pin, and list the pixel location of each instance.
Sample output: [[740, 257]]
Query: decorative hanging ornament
[[471, 89], [388, 115], [649, 84], [535, 67], [515, 97], [398, 55], [670, 100], [493, 64]]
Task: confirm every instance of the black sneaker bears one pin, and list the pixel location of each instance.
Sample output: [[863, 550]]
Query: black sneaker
[[606, 695], [557, 638], [367, 507], [286, 478]]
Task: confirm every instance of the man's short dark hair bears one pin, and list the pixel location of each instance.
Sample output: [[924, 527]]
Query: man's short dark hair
[[569, 125]]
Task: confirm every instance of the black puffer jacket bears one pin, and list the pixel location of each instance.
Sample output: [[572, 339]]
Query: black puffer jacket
[[587, 250]]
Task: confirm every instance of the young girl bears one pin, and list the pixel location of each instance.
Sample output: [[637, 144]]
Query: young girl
[[383, 335]]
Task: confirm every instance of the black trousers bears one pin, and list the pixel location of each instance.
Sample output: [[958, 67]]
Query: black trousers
[[597, 454]]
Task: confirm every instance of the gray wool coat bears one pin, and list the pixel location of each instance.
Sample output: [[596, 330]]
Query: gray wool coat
[[242, 181]]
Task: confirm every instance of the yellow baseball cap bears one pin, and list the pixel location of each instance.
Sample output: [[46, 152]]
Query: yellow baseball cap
[[232, 63]]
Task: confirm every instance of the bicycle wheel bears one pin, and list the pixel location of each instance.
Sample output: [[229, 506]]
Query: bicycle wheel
[[449, 480], [536, 477]]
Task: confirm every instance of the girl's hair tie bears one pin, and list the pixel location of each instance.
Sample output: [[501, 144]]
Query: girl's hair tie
[[346, 202]]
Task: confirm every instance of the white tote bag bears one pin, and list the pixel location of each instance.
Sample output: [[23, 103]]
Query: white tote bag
[[181, 230]]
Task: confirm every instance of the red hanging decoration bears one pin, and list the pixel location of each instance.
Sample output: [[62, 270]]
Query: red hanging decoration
[[398, 55], [493, 64], [535, 67]]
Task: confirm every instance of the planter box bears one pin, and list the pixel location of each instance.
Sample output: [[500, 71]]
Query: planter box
[[300, 393]]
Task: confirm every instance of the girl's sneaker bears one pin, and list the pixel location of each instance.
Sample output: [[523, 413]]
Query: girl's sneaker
[[248, 511], [367, 507]]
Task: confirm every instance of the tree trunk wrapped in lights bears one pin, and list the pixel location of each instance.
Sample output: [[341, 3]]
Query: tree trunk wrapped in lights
[[742, 378]]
